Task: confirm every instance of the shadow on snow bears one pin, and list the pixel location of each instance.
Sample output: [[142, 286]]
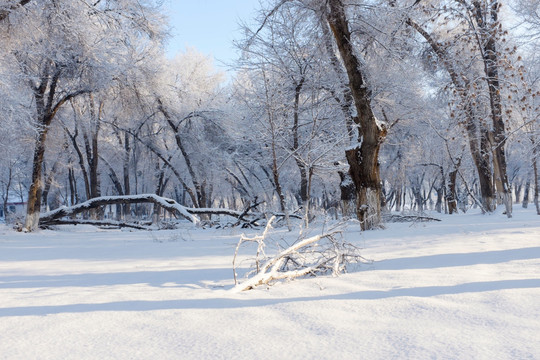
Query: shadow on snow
[[228, 303], [453, 260]]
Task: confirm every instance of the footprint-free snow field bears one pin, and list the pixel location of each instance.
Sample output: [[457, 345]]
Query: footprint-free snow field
[[467, 287]]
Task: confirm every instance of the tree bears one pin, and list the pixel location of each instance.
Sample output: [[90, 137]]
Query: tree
[[61, 62], [363, 158], [466, 41]]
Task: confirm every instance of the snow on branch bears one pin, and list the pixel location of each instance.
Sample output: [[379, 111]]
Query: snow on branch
[[408, 218], [100, 223], [57, 216], [315, 255], [53, 216]]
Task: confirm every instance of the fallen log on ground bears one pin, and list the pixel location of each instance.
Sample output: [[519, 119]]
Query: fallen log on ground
[[58, 216]]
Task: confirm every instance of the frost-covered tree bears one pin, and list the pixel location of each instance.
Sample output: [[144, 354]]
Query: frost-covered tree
[[62, 50]]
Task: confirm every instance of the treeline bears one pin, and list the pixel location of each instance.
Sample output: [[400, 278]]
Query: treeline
[[354, 108]]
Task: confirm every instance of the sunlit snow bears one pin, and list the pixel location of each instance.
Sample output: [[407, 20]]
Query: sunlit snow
[[467, 287]]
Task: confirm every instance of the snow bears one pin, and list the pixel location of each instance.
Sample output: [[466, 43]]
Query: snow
[[463, 288], [165, 202]]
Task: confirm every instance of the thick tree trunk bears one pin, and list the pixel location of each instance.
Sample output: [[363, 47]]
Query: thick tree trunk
[[46, 109], [480, 150], [363, 158], [348, 194], [487, 21], [33, 206]]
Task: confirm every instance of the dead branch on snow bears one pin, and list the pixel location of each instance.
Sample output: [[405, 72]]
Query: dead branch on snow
[[316, 255]]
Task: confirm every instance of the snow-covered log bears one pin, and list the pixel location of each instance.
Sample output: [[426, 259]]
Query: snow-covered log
[[100, 223], [57, 216], [408, 218], [51, 217]]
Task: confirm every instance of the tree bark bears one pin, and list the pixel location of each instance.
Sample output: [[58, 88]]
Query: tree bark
[[362, 158], [302, 167], [536, 182], [451, 193], [125, 169], [488, 21], [35, 191], [5, 198], [48, 184], [526, 192]]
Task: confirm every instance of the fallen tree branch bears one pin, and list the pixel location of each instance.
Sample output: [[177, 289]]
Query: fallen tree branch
[[98, 223], [57, 216], [408, 218], [53, 216], [319, 254], [259, 239]]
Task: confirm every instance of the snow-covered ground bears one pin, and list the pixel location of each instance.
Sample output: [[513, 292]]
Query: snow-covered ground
[[464, 288]]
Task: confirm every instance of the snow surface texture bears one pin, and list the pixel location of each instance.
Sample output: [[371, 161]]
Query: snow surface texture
[[464, 288]]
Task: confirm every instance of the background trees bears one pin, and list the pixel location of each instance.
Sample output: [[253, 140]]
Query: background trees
[[430, 105]]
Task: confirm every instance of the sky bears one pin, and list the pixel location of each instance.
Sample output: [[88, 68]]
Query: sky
[[209, 26]]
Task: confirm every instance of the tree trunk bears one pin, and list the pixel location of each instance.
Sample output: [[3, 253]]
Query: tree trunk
[[439, 202], [92, 154], [536, 184], [399, 198], [480, 150], [72, 186], [277, 184], [451, 194], [33, 206], [6, 193], [517, 187], [488, 25], [477, 135], [200, 190], [348, 194], [526, 193], [125, 168], [48, 184], [363, 158]]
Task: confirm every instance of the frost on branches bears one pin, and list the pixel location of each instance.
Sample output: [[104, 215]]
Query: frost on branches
[[326, 253]]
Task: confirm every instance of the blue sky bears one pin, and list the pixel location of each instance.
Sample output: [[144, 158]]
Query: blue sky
[[208, 25]]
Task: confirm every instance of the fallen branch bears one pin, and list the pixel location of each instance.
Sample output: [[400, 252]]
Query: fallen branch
[[99, 223], [259, 239], [408, 218], [246, 218], [54, 216], [319, 254]]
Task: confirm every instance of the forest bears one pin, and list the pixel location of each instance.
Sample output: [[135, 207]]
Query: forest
[[340, 108]]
